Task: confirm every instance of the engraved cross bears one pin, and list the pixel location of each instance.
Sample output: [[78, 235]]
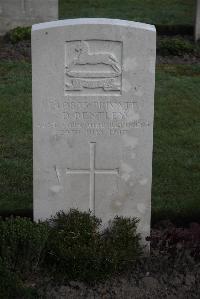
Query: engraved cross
[[92, 171]]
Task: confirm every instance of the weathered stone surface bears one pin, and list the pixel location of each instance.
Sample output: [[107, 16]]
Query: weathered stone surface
[[197, 23], [93, 103], [14, 13]]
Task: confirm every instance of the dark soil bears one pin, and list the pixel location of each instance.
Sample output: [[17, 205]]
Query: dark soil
[[150, 285], [171, 271], [21, 51], [170, 284]]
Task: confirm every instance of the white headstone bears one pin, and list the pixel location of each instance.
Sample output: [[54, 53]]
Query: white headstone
[[14, 13], [197, 23], [93, 104]]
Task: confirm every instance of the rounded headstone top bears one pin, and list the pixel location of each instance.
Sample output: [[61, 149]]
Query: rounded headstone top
[[93, 21]]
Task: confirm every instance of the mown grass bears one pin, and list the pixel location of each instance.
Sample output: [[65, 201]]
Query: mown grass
[[176, 164], [176, 168], [163, 12], [15, 136]]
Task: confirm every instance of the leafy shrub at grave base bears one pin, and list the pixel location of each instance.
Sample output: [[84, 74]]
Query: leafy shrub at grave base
[[78, 249], [69, 246], [18, 34], [120, 244], [72, 245]]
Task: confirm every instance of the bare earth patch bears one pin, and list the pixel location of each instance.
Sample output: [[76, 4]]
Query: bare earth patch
[[177, 286], [15, 52]]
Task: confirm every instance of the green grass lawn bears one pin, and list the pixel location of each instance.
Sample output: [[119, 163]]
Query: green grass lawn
[[176, 163], [176, 172], [159, 12], [15, 136]]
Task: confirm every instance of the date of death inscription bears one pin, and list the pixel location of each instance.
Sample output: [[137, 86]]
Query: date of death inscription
[[89, 118]]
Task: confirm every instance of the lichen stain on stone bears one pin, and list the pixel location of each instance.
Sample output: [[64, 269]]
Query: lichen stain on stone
[[126, 171], [130, 64], [143, 181], [116, 206], [132, 115], [141, 208], [53, 139], [130, 141], [118, 201], [131, 183], [139, 91], [70, 142], [126, 85], [55, 189], [133, 155]]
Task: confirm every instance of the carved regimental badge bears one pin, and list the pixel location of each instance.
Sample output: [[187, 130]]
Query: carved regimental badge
[[93, 67]]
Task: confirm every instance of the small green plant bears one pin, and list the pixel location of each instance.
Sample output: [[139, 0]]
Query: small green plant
[[68, 246], [79, 249], [121, 244], [19, 34], [73, 244], [177, 46], [22, 244]]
